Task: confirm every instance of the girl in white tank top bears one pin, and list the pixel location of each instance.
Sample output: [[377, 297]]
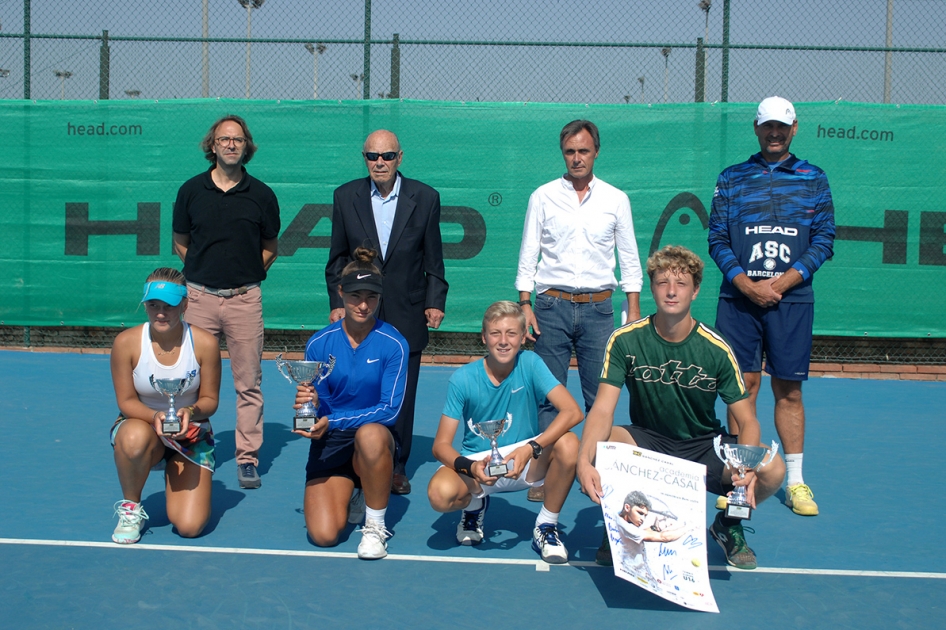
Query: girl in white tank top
[[149, 365], [187, 457]]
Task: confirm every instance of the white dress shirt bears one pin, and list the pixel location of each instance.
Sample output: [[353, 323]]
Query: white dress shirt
[[569, 246], [384, 209]]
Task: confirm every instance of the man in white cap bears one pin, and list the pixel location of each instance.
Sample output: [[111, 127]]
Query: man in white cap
[[771, 228]]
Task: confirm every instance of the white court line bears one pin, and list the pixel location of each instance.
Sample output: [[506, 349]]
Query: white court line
[[538, 564]]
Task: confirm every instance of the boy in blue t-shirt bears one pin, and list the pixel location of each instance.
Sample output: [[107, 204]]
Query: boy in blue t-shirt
[[509, 385]]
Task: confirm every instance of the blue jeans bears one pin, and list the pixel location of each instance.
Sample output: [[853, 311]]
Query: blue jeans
[[566, 325]]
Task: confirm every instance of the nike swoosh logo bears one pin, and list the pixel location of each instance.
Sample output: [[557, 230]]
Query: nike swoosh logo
[[517, 389], [360, 277], [373, 360]]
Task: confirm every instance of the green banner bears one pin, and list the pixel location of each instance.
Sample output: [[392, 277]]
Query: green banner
[[88, 188]]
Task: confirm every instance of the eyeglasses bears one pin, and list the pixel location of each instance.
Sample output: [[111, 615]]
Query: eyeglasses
[[225, 140], [387, 156]]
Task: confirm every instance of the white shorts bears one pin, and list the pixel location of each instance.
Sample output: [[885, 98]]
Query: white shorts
[[504, 484]]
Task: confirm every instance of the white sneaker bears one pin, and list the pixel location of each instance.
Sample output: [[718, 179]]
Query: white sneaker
[[470, 527], [373, 545], [547, 544], [131, 520], [356, 506]]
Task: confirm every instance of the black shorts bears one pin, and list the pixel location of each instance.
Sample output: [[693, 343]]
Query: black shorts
[[698, 449], [332, 456]]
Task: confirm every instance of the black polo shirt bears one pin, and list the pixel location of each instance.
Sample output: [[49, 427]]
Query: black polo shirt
[[226, 229]]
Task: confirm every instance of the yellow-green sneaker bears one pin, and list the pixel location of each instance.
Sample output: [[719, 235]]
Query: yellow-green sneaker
[[802, 501]]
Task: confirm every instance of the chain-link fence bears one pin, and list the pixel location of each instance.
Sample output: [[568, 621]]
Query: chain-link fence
[[519, 50]]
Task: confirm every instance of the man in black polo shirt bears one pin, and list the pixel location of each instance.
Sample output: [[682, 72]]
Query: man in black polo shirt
[[225, 228]]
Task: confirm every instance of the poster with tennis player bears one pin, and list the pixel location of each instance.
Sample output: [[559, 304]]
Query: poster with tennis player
[[654, 509]]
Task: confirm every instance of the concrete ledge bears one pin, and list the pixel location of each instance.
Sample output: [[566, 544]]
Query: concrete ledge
[[900, 369], [860, 367]]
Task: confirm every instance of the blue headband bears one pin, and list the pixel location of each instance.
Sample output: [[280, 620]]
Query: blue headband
[[168, 292]]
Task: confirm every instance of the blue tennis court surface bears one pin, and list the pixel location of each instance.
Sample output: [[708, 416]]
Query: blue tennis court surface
[[873, 558]]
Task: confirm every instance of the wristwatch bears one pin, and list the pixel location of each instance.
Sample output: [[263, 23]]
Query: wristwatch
[[525, 302], [536, 449]]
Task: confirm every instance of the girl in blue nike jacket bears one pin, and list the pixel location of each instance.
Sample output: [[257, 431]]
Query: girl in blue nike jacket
[[351, 456]]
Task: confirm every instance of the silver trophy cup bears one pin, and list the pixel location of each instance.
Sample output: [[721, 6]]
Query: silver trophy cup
[[491, 430], [305, 373], [742, 457], [171, 387]]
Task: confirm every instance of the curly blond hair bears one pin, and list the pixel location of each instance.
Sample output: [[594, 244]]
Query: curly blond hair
[[677, 259]]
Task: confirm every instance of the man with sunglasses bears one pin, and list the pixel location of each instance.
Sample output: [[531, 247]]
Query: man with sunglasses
[[400, 218], [572, 227], [226, 225]]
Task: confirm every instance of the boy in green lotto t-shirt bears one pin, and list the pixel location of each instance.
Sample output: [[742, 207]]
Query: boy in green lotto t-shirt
[[674, 368]]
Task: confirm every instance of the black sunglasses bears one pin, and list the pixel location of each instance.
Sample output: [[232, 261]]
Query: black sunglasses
[[387, 156]]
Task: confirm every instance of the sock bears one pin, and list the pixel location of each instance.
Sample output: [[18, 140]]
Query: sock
[[476, 503], [546, 517], [793, 469], [375, 515]]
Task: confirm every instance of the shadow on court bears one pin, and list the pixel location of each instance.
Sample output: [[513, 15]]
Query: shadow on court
[[276, 437], [505, 526], [222, 500]]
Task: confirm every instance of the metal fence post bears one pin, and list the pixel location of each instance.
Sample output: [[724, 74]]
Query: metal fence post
[[396, 68], [366, 86], [699, 93], [724, 89], [26, 49], [205, 50], [888, 61], [104, 67]]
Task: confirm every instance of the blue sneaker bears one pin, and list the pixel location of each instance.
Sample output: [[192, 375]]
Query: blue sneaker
[[546, 543], [470, 529]]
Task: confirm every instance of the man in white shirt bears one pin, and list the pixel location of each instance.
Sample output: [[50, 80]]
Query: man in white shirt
[[572, 227]]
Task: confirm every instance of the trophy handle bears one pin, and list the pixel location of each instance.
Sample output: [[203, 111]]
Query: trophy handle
[[507, 424], [718, 447], [773, 451], [282, 366], [475, 431], [327, 368]]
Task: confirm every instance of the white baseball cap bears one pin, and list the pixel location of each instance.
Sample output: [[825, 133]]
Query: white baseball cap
[[775, 108]]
